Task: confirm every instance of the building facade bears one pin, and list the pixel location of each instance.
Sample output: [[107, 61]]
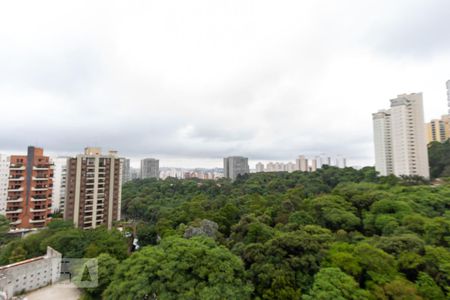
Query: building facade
[[438, 130], [259, 167], [149, 168], [30, 274], [234, 166], [29, 201], [399, 138], [93, 189], [4, 181], [59, 183], [126, 170], [302, 163]]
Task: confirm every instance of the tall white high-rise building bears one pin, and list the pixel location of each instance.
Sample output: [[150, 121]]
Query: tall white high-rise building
[[234, 166], [4, 179], [399, 138], [59, 183], [149, 168], [383, 142], [126, 170]]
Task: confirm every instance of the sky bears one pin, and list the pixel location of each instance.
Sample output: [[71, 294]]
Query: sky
[[190, 82]]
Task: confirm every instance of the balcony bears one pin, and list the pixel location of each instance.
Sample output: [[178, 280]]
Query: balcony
[[16, 211], [38, 199], [16, 167], [40, 188], [17, 222], [15, 189], [14, 200], [36, 210], [37, 221], [40, 178], [40, 168], [21, 178]]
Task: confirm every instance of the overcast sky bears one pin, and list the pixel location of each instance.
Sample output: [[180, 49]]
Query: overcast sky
[[192, 81]]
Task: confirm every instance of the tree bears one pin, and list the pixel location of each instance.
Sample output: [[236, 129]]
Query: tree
[[4, 228], [106, 266], [428, 288], [180, 269], [333, 284]]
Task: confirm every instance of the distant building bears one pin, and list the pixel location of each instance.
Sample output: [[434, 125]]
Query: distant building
[[270, 167], [383, 142], [149, 168], [341, 162], [259, 167], [399, 138], [234, 166], [438, 130], [302, 164], [135, 173], [29, 201], [30, 274], [59, 183], [290, 167], [313, 167], [126, 170], [4, 181], [93, 191]]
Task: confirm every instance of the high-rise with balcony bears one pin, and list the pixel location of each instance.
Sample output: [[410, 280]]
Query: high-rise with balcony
[[59, 183], [149, 168], [93, 189], [29, 200], [126, 170], [234, 166], [4, 182], [399, 138]]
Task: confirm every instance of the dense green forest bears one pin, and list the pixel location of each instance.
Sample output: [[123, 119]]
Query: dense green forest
[[331, 234]]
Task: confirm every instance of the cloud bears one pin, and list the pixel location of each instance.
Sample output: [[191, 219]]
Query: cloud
[[199, 80]]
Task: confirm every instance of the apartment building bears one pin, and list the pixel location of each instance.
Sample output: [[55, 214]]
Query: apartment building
[[29, 200], [302, 164], [234, 166], [93, 189], [399, 137], [4, 181], [126, 170], [149, 168], [59, 183], [438, 130]]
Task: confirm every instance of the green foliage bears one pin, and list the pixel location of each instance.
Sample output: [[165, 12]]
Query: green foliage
[[333, 284], [439, 157], [330, 234], [180, 269]]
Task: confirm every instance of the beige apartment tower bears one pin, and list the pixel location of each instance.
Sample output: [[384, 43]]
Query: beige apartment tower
[[93, 189], [399, 138], [438, 130]]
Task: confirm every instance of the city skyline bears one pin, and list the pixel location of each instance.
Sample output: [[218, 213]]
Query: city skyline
[[254, 82]]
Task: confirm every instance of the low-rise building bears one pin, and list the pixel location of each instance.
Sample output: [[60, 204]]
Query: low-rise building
[[30, 274]]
